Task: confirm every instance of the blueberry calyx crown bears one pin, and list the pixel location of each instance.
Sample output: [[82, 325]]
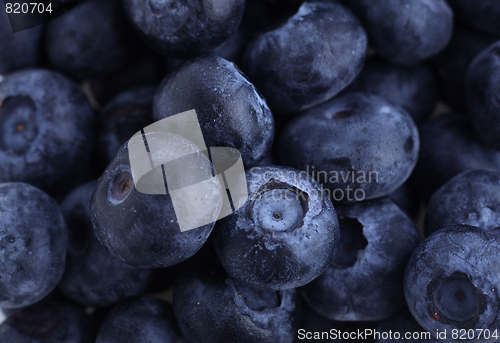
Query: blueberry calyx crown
[[456, 300], [121, 186], [279, 207]]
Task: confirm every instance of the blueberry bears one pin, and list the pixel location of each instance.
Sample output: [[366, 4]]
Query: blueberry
[[414, 88], [54, 322], [18, 50], [46, 130], [451, 63], [482, 15], [449, 146], [452, 280], [350, 145], [284, 236], [127, 113], [184, 29], [146, 320], [91, 39], [142, 229], [33, 241], [365, 279], [482, 86], [212, 307], [406, 32], [472, 198], [308, 60], [230, 110], [93, 277]]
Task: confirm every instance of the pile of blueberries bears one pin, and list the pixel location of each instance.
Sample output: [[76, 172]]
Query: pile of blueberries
[[355, 119]]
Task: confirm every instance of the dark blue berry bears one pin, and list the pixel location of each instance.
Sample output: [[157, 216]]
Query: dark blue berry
[[230, 110], [452, 280], [46, 130], [405, 32], [33, 241], [351, 147], [141, 228], [184, 29], [91, 39], [308, 60], [284, 236]]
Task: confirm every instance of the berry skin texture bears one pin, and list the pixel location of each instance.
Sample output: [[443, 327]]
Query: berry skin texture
[[33, 242], [452, 281], [93, 277], [308, 60], [284, 236], [482, 89], [185, 29], [46, 130], [352, 147], [405, 32], [230, 110], [472, 198], [364, 282]]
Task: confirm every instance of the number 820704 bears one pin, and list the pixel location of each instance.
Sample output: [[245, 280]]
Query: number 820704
[[474, 334], [32, 7]]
